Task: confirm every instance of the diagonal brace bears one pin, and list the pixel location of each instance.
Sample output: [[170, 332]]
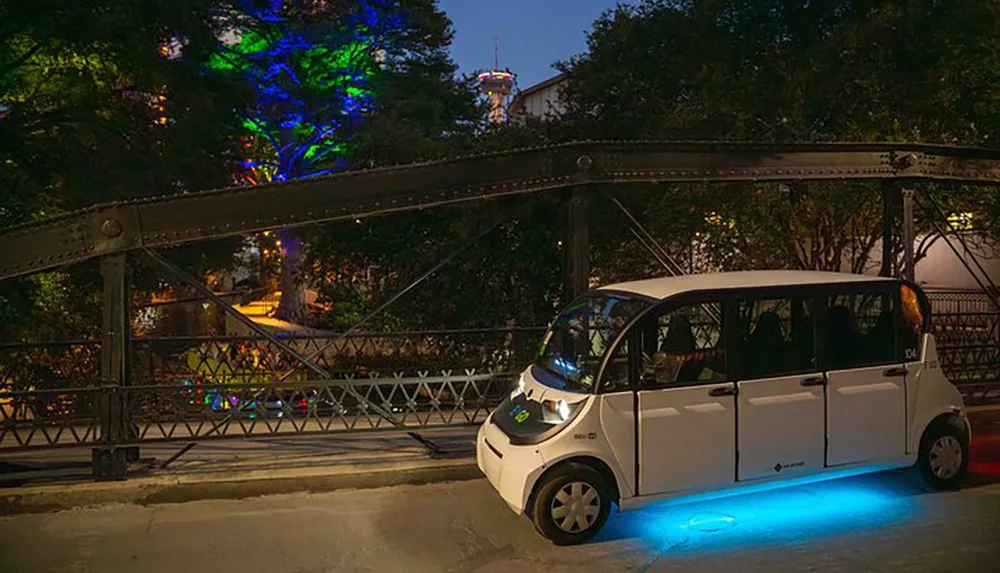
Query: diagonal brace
[[659, 253], [451, 256], [951, 230], [228, 309], [647, 241]]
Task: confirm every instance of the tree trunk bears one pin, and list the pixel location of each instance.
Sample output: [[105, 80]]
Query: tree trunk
[[292, 306]]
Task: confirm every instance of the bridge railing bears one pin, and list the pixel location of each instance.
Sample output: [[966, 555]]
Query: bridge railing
[[215, 387], [959, 302], [966, 327], [211, 387], [212, 411]]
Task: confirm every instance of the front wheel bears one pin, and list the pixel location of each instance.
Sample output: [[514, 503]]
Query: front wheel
[[944, 454], [572, 504]]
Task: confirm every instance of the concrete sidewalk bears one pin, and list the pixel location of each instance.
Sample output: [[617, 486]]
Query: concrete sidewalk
[[227, 469]]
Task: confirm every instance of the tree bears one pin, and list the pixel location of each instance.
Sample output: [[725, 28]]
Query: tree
[[77, 82], [861, 70], [315, 69], [77, 126], [423, 111], [343, 86]]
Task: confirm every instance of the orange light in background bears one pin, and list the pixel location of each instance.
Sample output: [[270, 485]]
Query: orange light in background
[[912, 313]]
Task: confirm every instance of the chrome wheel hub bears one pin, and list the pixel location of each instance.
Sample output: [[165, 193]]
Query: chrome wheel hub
[[946, 457], [575, 507]]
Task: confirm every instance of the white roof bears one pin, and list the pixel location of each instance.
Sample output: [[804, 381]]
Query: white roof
[[663, 287]]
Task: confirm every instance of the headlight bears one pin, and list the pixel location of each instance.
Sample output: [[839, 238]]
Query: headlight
[[560, 408], [519, 389]]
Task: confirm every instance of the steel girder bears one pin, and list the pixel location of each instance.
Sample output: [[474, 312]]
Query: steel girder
[[178, 219]]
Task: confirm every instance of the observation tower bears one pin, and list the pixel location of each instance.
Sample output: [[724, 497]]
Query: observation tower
[[497, 85]]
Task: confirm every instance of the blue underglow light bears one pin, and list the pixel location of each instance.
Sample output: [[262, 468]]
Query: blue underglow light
[[792, 514]]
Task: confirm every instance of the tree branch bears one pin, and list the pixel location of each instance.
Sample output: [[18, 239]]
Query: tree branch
[[20, 61]]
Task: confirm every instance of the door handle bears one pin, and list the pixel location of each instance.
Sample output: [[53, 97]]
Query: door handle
[[814, 381], [894, 372], [715, 392]]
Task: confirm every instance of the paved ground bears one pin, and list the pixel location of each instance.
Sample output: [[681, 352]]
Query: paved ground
[[863, 524], [213, 457], [60, 479], [874, 523]]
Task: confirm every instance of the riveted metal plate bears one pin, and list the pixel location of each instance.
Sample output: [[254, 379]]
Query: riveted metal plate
[[199, 216]]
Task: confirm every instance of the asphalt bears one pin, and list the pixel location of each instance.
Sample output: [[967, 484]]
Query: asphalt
[[883, 523]]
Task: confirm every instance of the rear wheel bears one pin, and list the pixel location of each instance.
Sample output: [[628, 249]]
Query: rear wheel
[[944, 454], [571, 504]]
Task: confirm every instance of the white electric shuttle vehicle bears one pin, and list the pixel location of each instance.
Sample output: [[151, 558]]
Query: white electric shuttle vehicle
[[670, 387]]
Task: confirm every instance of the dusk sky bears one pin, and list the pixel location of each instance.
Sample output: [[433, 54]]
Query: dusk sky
[[533, 33]]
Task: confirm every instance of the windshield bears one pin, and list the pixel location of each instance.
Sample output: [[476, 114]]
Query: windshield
[[577, 341]]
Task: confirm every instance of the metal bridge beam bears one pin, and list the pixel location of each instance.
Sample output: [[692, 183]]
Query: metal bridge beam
[[174, 220]]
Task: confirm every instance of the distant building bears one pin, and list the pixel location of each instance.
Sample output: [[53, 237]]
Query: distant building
[[540, 100]]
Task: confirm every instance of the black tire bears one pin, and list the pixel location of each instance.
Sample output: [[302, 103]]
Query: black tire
[[942, 440], [546, 503]]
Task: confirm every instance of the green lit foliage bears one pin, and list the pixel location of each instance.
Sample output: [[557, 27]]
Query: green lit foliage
[[313, 69], [423, 112], [351, 84]]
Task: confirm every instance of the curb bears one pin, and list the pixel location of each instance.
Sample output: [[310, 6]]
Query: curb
[[150, 491]]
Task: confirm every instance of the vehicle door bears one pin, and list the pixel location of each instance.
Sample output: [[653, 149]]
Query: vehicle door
[[617, 403], [781, 404], [686, 401], [866, 394]]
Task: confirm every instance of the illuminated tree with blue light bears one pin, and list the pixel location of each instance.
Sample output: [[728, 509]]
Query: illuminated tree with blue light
[[314, 67]]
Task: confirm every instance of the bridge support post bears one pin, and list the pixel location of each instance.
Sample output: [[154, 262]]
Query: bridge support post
[[111, 456], [576, 245], [889, 194], [909, 236]]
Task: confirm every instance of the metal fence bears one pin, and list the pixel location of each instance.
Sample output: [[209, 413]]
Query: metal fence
[[218, 387], [959, 302], [966, 326], [211, 411]]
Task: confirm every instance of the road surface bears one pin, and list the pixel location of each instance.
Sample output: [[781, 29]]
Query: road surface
[[860, 524]]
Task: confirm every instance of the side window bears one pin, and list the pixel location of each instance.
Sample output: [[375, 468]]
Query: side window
[[778, 337], [684, 346], [616, 375], [911, 324], [860, 330]]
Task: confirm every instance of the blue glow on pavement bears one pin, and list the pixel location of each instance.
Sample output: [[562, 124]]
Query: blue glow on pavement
[[793, 514]]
